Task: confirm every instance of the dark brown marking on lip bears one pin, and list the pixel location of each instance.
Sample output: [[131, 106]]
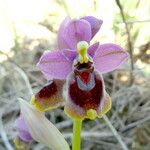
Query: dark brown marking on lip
[[86, 90]]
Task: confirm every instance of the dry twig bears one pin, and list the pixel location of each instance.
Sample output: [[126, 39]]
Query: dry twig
[[129, 41]]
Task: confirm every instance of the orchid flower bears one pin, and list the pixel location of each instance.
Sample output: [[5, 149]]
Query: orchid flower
[[22, 129], [74, 73], [24, 138]]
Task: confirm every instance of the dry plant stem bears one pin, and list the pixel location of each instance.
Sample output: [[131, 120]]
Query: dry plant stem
[[137, 123], [136, 21], [63, 3], [95, 134], [4, 137], [22, 73], [123, 145], [129, 41], [24, 76], [64, 124]]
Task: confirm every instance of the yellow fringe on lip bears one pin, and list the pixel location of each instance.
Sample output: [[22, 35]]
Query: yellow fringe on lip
[[35, 104], [91, 114], [40, 109], [106, 107]]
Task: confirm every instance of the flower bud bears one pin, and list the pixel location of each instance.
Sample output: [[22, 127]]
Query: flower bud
[[22, 129], [41, 129]]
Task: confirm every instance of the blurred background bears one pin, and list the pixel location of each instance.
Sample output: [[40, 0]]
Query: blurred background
[[29, 27]]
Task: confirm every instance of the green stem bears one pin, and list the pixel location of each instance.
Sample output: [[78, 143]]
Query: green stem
[[77, 124]]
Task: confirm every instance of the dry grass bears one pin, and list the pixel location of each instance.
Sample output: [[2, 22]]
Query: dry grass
[[126, 126], [129, 115]]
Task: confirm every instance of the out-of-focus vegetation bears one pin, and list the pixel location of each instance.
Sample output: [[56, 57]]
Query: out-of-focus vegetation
[[29, 27]]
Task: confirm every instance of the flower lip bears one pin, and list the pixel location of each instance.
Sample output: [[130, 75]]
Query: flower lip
[[87, 96]]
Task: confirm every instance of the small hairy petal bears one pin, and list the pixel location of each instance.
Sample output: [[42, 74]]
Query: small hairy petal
[[92, 49], [109, 57], [41, 129], [54, 65], [105, 105], [75, 31], [22, 129], [50, 96], [60, 40], [94, 22]]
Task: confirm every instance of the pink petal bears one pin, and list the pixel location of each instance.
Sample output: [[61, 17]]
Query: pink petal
[[69, 54], [109, 57], [60, 40], [22, 129], [75, 31], [94, 22], [92, 49], [54, 65]]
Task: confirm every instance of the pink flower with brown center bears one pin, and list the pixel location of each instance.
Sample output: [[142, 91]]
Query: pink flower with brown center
[[74, 74], [75, 70]]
